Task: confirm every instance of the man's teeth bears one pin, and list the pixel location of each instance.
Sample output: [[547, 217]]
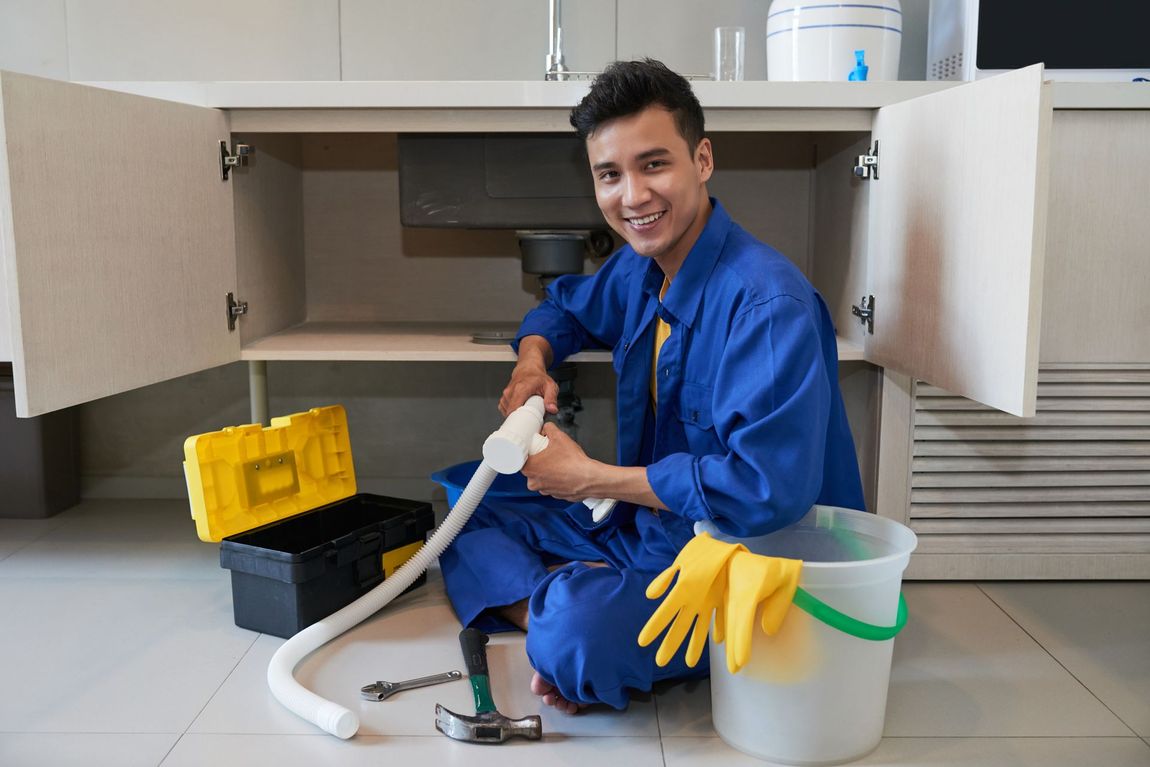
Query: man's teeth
[[646, 219]]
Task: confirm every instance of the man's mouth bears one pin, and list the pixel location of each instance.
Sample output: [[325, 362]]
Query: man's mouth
[[646, 220]]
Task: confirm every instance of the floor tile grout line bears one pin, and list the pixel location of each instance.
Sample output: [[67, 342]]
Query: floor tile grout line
[[211, 697], [54, 733], [659, 729], [565, 736], [1055, 658], [215, 692], [1011, 737], [18, 549], [168, 753], [547, 736], [969, 737], [37, 539]]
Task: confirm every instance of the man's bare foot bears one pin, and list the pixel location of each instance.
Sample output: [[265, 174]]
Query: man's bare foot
[[551, 696], [516, 613]]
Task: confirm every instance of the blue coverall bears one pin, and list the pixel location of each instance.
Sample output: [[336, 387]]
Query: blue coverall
[[749, 432]]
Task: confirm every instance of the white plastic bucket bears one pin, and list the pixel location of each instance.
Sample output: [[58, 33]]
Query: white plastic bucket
[[817, 40], [813, 694]]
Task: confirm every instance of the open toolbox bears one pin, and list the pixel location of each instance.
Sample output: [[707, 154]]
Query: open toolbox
[[299, 541]]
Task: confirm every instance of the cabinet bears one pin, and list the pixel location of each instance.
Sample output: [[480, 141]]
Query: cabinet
[[1065, 494], [121, 240]]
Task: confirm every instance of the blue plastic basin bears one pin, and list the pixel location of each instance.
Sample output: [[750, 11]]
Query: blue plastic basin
[[507, 489]]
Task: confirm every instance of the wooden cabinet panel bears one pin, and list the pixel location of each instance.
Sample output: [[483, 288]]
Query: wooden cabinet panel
[[1096, 297], [269, 220], [956, 238], [120, 242]]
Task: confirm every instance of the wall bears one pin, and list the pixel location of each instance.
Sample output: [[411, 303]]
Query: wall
[[406, 419], [377, 39]]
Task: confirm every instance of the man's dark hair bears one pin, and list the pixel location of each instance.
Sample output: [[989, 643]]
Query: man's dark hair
[[628, 87]]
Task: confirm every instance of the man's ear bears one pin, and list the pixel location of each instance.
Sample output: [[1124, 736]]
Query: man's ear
[[704, 160]]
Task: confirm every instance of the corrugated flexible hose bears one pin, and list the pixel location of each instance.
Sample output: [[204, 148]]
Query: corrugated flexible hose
[[504, 452]]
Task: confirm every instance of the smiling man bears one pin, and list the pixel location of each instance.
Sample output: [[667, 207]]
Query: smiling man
[[728, 405]]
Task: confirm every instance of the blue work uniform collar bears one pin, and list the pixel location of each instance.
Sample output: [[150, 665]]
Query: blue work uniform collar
[[686, 291]]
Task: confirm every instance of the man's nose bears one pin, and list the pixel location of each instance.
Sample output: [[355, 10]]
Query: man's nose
[[635, 191]]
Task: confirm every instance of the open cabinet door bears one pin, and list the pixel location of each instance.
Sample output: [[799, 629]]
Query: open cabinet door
[[957, 238], [117, 240]]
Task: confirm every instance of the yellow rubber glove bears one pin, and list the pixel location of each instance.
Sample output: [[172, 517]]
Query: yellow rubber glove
[[699, 590], [753, 580]]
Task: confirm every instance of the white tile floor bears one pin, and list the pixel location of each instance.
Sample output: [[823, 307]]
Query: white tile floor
[[117, 648]]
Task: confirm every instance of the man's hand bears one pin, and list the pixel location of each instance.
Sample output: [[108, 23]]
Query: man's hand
[[530, 378], [562, 469], [526, 382]]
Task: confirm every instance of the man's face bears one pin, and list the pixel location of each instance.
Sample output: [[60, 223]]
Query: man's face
[[650, 184]]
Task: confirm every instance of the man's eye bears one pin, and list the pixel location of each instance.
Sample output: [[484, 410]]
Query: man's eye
[[656, 164], [608, 175]]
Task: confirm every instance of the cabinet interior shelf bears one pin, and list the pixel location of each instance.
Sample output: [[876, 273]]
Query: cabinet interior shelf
[[409, 342]]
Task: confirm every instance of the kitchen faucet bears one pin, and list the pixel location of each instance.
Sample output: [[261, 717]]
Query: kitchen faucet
[[556, 67]]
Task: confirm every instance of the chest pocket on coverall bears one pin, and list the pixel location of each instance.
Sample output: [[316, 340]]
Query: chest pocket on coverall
[[698, 421]]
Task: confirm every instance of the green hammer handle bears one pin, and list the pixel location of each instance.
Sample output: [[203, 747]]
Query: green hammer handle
[[473, 642]]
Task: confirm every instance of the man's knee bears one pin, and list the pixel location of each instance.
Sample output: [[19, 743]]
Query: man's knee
[[582, 634]]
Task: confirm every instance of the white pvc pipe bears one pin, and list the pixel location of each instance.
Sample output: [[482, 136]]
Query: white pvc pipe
[[507, 449], [512, 443]]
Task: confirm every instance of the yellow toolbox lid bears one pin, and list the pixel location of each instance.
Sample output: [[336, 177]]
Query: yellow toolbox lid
[[246, 476]]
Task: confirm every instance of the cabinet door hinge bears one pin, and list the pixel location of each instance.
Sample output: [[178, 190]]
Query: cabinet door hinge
[[866, 166], [229, 160], [865, 313], [235, 309]]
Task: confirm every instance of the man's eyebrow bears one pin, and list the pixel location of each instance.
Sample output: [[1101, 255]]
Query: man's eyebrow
[[646, 155], [656, 152]]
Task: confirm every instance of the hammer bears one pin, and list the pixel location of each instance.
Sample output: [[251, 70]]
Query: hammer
[[488, 725]]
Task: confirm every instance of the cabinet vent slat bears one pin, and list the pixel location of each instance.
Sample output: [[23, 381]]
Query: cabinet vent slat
[[948, 402], [1032, 526], [1074, 479], [979, 463], [1025, 479], [926, 418], [1107, 390], [1026, 494], [1097, 374], [1096, 382], [1053, 543], [1046, 433], [1104, 390], [1013, 449], [1022, 510], [1047, 405]]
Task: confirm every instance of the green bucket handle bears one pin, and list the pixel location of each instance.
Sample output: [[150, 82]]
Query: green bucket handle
[[846, 624], [820, 610]]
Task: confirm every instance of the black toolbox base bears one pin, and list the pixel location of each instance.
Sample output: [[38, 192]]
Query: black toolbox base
[[289, 574], [285, 609]]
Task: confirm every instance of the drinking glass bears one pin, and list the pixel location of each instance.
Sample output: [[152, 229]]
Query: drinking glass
[[729, 45]]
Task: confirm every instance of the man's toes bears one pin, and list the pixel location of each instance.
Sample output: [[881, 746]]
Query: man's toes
[[541, 686], [549, 693], [558, 701]]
